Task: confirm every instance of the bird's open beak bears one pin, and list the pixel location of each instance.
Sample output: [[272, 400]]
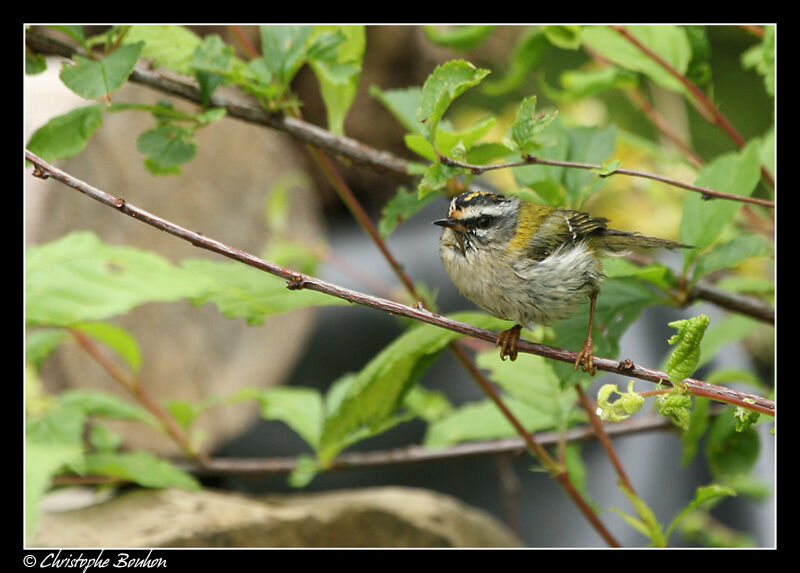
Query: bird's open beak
[[458, 230]]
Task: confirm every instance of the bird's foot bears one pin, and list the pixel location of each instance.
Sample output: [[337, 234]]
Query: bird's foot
[[586, 357], [507, 341]]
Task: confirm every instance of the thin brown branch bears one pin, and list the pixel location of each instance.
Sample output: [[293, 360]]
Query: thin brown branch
[[137, 390], [299, 280], [707, 192]]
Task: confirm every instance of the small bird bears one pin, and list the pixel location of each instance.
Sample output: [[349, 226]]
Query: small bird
[[530, 263]]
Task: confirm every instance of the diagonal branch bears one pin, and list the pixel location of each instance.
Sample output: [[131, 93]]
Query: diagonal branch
[[298, 280]]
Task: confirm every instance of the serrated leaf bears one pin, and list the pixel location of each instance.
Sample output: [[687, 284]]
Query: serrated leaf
[[373, 395], [65, 136], [442, 86], [240, 291], [78, 278], [94, 79]]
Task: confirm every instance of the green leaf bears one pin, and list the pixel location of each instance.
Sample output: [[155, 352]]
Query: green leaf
[[523, 136], [142, 468], [40, 343], [338, 77], [686, 355], [374, 394], [646, 522], [563, 36], [442, 86], [702, 496], [733, 328], [524, 58], [52, 442], [436, 177], [105, 405], [698, 424], [78, 278], [761, 58], [117, 338], [170, 47], [168, 146], [94, 79], [284, 50], [579, 84], [34, 63], [668, 42], [402, 103], [623, 407], [447, 140], [736, 173], [532, 380], [728, 255], [400, 208], [240, 291], [210, 62], [479, 421], [458, 37], [299, 408], [65, 136], [587, 145], [729, 452], [676, 405]]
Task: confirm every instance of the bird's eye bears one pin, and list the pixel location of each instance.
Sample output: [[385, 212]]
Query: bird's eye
[[484, 222]]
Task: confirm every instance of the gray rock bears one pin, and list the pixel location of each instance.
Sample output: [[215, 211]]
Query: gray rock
[[372, 517]]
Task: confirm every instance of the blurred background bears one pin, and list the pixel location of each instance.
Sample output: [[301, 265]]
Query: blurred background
[[222, 192]]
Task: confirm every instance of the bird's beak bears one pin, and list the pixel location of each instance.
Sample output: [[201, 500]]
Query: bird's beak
[[458, 230], [450, 224]]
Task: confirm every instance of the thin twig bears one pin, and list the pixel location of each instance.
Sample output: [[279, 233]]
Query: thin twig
[[299, 280], [136, 389], [533, 160]]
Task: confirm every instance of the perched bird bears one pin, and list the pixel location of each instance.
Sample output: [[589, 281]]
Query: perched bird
[[530, 263]]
